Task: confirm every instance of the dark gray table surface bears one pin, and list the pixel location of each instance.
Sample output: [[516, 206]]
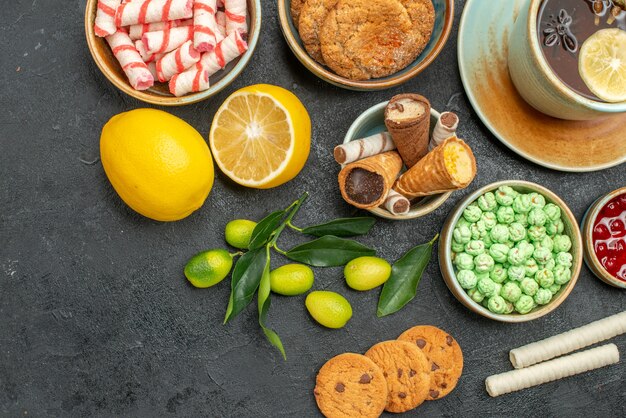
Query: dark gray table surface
[[96, 317]]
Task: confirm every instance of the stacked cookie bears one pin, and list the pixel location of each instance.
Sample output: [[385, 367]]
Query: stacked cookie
[[424, 363], [363, 39]]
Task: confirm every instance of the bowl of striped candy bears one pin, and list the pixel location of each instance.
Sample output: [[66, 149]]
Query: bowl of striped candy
[[172, 52]]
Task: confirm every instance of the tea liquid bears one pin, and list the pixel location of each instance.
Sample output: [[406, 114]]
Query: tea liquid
[[564, 25]]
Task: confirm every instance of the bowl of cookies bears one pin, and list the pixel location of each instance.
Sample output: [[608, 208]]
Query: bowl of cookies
[[366, 44], [511, 251], [401, 159], [175, 52]]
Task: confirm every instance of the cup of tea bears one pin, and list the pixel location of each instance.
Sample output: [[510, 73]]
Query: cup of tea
[[544, 55]]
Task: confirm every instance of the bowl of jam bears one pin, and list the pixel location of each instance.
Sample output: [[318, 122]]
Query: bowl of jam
[[604, 229]]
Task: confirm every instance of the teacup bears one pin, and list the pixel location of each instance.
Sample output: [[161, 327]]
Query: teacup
[[536, 81]]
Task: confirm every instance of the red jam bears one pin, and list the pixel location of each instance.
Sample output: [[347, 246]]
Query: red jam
[[609, 237]]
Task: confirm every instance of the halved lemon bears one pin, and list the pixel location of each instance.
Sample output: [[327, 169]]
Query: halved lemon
[[602, 64], [261, 136]]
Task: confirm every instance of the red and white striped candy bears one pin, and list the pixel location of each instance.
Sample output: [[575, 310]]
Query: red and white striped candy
[[145, 55], [220, 18], [136, 31], [150, 11], [167, 40], [105, 18], [177, 61], [236, 11], [193, 79], [135, 69], [205, 26]]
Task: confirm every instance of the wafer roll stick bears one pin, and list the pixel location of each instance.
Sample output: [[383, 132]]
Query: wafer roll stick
[[220, 18], [133, 66], [569, 341], [366, 183], [363, 148], [136, 31], [105, 18], [150, 11], [189, 81], [162, 41], [145, 55], [552, 370], [152, 68], [444, 129], [451, 166], [204, 25], [177, 61], [397, 204], [407, 117], [236, 12]]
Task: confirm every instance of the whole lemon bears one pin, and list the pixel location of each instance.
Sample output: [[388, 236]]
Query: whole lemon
[[330, 309], [157, 163], [366, 273]]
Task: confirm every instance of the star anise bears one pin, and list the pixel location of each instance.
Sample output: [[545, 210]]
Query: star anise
[[558, 32]]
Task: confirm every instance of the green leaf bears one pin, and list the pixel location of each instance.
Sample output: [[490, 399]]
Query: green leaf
[[265, 228], [406, 274], [245, 281], [264, 303], [343, 227], [328, 251]]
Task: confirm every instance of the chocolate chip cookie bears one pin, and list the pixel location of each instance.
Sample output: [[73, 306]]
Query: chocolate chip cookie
[[350, 385], [312, 16], [407, 371], [444, 355]]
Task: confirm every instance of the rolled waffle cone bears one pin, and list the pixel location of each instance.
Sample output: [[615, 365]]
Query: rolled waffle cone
[[411, 136], [431, 175], [387, 165]]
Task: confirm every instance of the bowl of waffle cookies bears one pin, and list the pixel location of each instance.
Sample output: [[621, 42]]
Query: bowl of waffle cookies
[[366, 44]]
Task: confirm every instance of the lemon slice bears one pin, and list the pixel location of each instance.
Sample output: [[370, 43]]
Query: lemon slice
[[261, 136], [602, 64]]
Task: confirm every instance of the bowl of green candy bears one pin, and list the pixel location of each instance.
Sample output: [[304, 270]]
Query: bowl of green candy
[[511, 251]]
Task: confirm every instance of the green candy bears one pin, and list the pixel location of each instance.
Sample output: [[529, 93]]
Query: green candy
[[526, 247], [496, 304], [550, 264], [497, 288], [531, 267], [463, 222], [483, 263], [505, 195], [543, 297], [499, 274], [537, 200], [536, 233], [457, 247], [511, 292], [552, 211], [545, 278], [488, 241], [462, 234], [475, 247], [499, 252], [517, 273], [472, 213], [510, 244], [554, 228], [509, 308], [478, 230], [546, 242], [505, 215], [499, 233], [476, 295], [487, 202], [529, 286], [486, 286], [522, 218], [521, 204], [489, 219], [464, 261], [517, 232], [555, 289], [562, 274], [516, 257], [564, 259], [562, 243], [542, 255], [524, 304], [466, 278], [536, 216]]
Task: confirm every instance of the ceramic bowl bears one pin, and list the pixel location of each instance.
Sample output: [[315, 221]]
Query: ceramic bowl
[[587, 229], [371, 122], [444, 17], [445, 252], [159, 94]]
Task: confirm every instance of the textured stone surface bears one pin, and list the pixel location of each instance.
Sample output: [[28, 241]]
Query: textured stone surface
[[96, 318]]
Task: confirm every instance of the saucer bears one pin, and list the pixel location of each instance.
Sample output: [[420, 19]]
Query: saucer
[[577, 146]]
